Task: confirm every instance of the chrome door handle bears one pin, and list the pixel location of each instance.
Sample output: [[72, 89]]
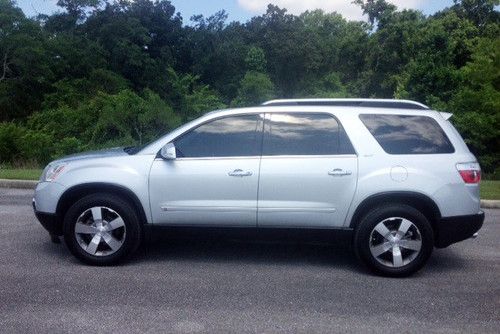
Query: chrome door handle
[[239, 172], [339, 172]]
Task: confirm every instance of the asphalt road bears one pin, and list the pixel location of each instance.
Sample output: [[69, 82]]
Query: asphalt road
[[227, 286]]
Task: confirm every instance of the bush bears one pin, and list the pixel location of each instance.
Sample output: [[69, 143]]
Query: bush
[[255, 88], [10, 135], [36, 145], [129, 119]]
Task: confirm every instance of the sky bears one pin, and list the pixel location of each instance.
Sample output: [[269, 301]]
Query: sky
[[243, 10]]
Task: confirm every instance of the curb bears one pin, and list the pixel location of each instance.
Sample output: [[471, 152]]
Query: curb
[[490, 204], [25, 184], [19, 184]]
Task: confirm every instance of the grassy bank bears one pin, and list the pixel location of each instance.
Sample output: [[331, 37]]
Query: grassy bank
[[489, 189], [20, 174]]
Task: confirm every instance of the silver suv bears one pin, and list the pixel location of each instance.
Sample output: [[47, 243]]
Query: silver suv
[[392, 174]]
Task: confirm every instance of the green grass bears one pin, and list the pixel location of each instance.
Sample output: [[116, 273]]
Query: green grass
[[20, 174], [490, 189]]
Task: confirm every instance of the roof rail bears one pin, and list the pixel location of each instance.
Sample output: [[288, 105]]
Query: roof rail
[[372, 103]]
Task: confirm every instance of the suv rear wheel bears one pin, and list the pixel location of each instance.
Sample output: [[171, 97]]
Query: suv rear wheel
[[101, 229], [394, 240]]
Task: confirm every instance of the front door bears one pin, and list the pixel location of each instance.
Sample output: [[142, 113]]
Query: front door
[[308, 171], [214, 179]]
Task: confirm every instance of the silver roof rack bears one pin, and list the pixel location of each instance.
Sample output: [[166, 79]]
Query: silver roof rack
[[371, 103]]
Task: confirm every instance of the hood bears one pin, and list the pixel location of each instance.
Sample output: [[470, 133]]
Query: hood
[[116, 151]]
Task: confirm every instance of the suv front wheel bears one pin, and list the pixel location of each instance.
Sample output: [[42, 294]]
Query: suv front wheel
[[394, 240], [101, 229]]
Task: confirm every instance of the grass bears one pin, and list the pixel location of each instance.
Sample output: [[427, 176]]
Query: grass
[[489, 189], [20, 174]]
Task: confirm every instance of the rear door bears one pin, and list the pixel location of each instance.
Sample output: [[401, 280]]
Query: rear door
[[308, 171]]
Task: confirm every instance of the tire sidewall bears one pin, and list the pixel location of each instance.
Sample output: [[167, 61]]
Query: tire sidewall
[[123, 208], [368, 223]]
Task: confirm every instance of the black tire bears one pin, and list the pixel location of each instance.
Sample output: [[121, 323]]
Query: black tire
[[130, 241], [363, 237]]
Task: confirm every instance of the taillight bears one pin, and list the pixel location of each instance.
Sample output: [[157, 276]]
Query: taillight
[[470, 172]]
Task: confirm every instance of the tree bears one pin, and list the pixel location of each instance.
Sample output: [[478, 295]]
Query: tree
[[255, 88], [76, 8], [376, 10], [190, 98], [128, 119], [480, 12], [25, 73], [476, 103], [256, 59]]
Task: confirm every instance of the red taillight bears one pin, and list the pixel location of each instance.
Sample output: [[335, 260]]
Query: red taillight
[[470, 176], [470, 172]]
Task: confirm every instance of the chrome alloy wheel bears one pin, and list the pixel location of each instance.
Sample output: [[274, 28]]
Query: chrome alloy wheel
[[395, 242], [100, 231]]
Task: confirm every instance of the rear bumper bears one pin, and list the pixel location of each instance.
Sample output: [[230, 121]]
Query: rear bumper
[[450, 230], [49, 221]]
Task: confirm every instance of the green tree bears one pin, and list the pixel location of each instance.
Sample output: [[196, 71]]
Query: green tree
[[129, 119], [25, 73], [190, 98], [256, 59], [255, 88], [476, 103], [377, 10]]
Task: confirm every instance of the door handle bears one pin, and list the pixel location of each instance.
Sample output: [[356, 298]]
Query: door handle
[[339, 172], [240, 173]]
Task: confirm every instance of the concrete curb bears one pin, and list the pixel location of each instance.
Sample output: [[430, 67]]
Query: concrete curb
[[490, 204], [19, 184], [25, 184]]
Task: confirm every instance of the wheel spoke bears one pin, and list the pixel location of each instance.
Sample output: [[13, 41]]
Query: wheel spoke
[[382, 229], [114, 224], [411, 244], [397, 258], [380, 249], [111, 241], [94, 243], [90, 230], [85, 229], [96, 213], [404, 226]]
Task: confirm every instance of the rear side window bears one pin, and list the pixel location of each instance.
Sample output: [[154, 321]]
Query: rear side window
[[233, 136], [405, 134], [304, 134]]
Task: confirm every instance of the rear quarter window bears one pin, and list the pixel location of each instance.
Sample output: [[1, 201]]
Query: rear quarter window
[[407, 134]]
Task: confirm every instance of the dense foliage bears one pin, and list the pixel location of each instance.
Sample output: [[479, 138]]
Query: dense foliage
[[101, 73]]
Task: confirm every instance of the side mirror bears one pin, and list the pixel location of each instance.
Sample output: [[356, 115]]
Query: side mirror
[[167, 152]]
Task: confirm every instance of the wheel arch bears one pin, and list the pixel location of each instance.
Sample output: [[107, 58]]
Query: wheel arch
[[72, 194], [419, 201]]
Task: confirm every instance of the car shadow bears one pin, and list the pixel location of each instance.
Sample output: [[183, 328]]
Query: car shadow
[[275, 247], [447, 260]]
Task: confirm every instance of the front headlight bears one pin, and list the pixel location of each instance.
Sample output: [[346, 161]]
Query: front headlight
[[51, 172]]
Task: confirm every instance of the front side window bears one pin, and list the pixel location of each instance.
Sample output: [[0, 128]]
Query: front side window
[[407, 134], [232, 136], [304, 134]]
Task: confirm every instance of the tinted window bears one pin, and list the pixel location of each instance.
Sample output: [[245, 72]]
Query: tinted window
[[304, 134], [225, 137], [402, 134]]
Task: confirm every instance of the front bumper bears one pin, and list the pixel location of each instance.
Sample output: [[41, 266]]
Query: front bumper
[[450, 230], [50, 221]]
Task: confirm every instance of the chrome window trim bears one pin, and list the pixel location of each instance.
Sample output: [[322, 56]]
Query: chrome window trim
[[316, 156], [214, 158], [330, 156]]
